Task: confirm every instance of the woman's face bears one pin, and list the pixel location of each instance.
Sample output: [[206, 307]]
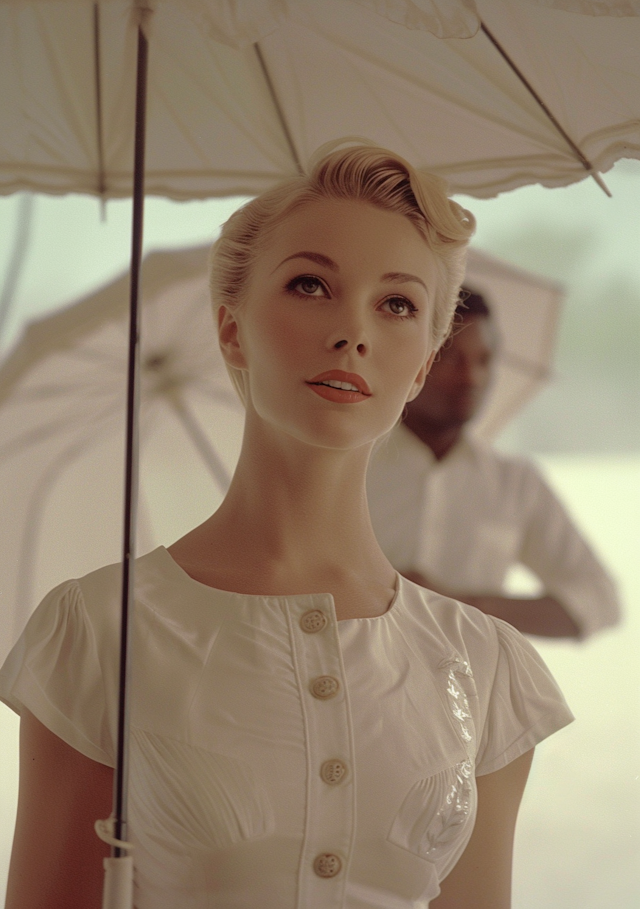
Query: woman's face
[[335, 329]]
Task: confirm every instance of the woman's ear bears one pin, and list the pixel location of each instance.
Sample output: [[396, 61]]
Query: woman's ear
[[229, 338], [421, 377]]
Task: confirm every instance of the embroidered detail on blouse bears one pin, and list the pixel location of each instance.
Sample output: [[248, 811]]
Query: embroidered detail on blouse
[[455, 809], [435, 812], [455, 667]]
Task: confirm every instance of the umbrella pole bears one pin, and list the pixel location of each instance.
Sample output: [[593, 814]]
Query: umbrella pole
[[118, 885]]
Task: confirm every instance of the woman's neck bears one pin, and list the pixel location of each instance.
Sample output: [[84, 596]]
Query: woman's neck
[[295, 520]]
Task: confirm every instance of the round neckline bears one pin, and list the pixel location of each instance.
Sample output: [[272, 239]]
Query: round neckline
[[185, 577]]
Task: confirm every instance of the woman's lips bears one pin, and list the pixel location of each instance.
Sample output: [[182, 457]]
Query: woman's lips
[[340, 387]]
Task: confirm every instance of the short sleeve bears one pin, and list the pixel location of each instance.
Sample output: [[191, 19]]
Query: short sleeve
[[54, 672], [525, 704]]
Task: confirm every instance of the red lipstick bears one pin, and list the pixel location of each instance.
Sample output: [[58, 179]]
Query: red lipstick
[[330, 384]]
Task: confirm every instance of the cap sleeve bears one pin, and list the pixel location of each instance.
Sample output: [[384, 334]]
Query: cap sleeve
[[525, 704], [54, 672]]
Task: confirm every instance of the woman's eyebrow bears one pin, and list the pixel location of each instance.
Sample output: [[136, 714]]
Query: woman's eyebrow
[[392, 276], [321, 259], [318, 258]]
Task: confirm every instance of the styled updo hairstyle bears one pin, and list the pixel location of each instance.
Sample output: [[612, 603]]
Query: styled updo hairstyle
[[359, 173]]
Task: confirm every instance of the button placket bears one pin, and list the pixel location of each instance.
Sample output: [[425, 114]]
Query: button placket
[[330, 814]]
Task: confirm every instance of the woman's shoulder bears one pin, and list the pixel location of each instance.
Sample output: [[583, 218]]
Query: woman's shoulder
[[90, 606], [164, 593], [519, 702], [461, 626], [495, 652], [100, 590]]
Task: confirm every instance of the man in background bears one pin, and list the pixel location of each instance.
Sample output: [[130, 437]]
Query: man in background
[[454, 515]]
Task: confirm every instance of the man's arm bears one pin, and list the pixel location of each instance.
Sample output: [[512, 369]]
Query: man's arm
[[569, 570], [544, 616], [482, 877]]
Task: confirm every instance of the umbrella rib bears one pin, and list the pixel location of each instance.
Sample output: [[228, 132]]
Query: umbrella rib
[[93, 355], [54, 392], [33, 521], [18, 255], [98, 87], [588, 166], [44, 431], [278, 107], [206, 450]]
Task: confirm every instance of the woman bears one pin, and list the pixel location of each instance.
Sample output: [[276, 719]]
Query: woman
[[362, 747]]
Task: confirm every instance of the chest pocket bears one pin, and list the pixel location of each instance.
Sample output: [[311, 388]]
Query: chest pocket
[[437, 814], [191, 799]]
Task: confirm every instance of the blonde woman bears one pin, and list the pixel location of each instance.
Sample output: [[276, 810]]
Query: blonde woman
[[309, 729]]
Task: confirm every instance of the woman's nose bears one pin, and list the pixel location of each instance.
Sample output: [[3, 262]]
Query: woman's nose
[[351, 334], [361, 347]]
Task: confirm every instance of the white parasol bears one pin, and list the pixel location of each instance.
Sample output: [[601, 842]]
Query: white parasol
[[492, 94], [62, 405]]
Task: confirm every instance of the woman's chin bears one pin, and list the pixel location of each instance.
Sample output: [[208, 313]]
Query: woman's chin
[[327, 426]]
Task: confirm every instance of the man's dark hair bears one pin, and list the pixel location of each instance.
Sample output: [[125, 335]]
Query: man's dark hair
[[471, 304]]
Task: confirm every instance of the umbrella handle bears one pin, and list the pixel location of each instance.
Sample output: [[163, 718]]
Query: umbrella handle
[[117, 889], [117, 892]]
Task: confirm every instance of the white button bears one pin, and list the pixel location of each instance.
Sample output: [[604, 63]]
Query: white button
[[313, 621], [324, 687], [333, 772], [327, 865]]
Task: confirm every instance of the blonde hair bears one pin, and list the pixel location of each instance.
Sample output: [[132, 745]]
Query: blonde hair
[[359, 173]]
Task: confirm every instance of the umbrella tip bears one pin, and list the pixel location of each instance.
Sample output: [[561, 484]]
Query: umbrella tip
[[599, 180]]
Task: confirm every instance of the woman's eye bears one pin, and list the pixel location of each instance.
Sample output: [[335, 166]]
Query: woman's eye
[[308, 286], [399, 306]]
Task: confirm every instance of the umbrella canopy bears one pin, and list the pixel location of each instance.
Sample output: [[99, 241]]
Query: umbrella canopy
[[62, 416], [526, 309], [494, 104], [62, 429]]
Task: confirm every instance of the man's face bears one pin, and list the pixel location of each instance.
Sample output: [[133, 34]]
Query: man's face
[[458, 382]]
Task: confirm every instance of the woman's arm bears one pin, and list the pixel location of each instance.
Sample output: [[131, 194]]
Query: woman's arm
[[482, 877], [56, 861]]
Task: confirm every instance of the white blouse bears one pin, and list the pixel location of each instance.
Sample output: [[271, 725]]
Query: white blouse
[[280, 758]]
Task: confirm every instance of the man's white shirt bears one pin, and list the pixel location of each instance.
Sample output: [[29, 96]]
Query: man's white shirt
[[464, 521]]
